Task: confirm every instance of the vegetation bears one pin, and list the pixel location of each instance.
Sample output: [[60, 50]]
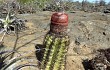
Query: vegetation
[[31, 6], [9, 24], [54, 55], [7, 63]]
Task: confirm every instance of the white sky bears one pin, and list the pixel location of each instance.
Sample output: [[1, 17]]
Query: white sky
[[92, 0]]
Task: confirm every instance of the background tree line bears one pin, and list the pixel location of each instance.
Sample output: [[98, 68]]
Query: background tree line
[[31, 6]]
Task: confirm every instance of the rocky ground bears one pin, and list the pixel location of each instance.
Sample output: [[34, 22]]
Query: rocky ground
[[88, 33]]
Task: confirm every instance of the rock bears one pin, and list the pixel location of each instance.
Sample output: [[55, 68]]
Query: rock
[[107, 11], [102, 60]]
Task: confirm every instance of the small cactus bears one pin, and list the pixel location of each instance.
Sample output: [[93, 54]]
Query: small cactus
[[55, 44]]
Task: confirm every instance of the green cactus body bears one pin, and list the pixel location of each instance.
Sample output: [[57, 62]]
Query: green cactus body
[[47, 42], [56, 43], [54, 54], [60, 56]]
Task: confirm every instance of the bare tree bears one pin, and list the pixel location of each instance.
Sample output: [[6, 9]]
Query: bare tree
[[108, 3], [102, 2], [84, 5]]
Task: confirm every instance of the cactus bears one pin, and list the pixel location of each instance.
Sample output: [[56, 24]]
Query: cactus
[[56, 44], [55, 50]]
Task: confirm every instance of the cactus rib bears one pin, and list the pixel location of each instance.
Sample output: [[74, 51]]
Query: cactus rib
[[47, 42], [54, 54]]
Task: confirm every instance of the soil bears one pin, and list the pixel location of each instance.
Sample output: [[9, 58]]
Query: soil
[[88, 33]]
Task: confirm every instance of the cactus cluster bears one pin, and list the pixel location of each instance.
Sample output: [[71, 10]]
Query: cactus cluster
[[55, 51]]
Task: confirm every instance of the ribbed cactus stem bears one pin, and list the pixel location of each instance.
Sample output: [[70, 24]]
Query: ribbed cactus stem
[[61, 55], [52, 55], [48, 41]]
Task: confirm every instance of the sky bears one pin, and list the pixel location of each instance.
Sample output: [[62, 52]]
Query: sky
[[92, 0]]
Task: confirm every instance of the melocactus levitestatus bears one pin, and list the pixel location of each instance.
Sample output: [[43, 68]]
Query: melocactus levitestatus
[[56, 43]]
